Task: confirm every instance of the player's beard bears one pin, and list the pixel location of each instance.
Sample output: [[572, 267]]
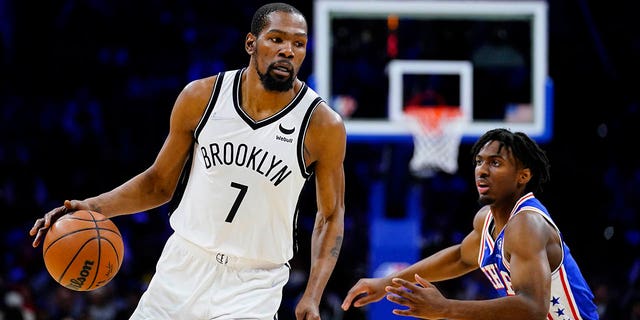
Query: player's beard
[[272, 83], [484, 200]]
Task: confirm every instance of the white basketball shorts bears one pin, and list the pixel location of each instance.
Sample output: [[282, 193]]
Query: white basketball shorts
[[191, 284]]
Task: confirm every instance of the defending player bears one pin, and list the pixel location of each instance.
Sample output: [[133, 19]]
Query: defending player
[[514, 242]]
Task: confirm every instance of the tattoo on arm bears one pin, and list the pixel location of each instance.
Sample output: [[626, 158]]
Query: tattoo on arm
[[335, 251]]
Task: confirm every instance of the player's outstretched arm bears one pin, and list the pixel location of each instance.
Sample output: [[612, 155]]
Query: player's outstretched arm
[[529, 282], [445, 264]]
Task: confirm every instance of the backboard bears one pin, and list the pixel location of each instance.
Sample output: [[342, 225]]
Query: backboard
[[487, 57]]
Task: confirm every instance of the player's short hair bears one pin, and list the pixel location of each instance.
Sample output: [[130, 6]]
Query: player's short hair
[[260, 17], [524, 149]]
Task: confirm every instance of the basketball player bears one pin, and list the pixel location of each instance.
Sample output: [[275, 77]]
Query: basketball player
[[240, 147], [514, 242]]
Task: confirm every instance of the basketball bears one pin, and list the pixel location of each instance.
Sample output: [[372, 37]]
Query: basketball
[[83, 250]]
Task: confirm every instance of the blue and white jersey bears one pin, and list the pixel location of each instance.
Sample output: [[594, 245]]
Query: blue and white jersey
[[571, 298], [239, 194]]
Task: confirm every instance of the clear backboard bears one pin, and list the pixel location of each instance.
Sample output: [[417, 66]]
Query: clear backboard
[[489, 58]]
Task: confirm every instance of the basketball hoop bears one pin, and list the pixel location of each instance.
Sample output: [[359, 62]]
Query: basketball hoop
[[437, 133]]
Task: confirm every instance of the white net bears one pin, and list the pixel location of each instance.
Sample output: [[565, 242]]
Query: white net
[[437, 133]]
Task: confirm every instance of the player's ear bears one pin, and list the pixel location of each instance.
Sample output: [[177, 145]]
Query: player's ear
[[250, 43], [524, 176]]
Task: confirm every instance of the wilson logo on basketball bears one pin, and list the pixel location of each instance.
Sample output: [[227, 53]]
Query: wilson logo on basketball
[[76, 283]]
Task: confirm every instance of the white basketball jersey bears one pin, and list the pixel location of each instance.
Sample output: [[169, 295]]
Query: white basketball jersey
[[239, 193]]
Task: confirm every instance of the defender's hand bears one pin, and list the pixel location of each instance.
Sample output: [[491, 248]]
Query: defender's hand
[[365, 291]]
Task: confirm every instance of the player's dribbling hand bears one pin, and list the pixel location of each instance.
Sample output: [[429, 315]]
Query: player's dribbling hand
[[40, 227], [365, 291]]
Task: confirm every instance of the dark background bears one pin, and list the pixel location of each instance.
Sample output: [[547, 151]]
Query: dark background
[[86, 92]]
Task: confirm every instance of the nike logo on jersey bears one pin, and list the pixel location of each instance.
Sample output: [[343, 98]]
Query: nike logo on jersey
[[285, 130]]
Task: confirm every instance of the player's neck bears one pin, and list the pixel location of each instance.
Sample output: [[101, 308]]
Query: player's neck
[[501, 213], [260, 103]]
